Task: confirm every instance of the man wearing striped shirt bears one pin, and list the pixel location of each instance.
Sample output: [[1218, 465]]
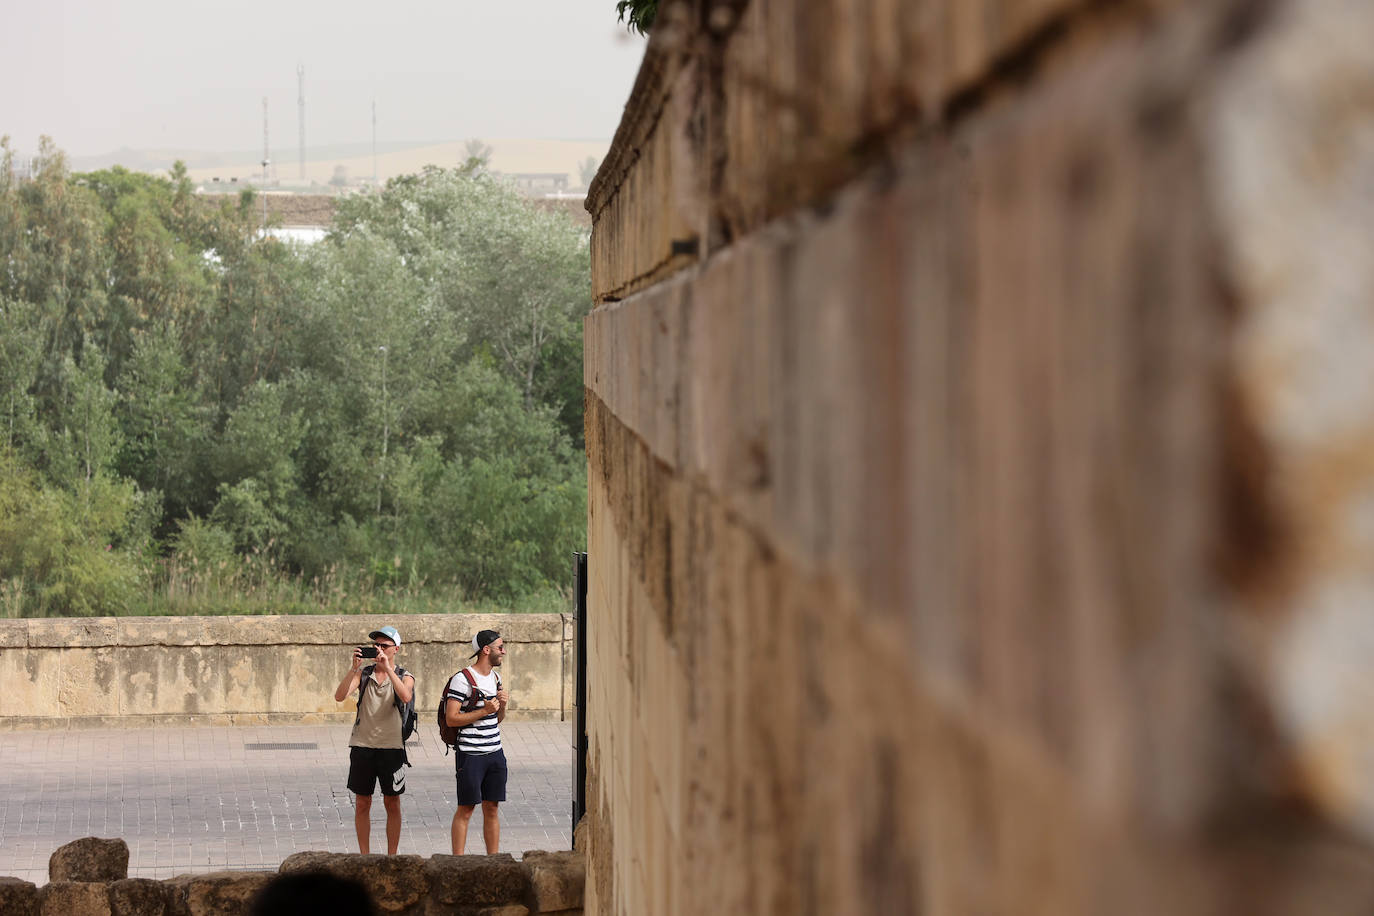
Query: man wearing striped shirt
[[475, 702]]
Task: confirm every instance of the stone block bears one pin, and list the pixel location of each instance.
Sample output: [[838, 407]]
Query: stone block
[[18, 898], [558, 878], [267, 630], [88, 682], [221, 893], [301, 678], [14, 634], [75, 898], [523, 674], [144, 897], [90, 859], [395, 883], [158, 631], [476, 881], [33, 686], [64, 633]]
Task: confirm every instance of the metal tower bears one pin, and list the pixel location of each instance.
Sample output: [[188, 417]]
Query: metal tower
[[300, 108], [266, 157], [266, 160], [374, 143]]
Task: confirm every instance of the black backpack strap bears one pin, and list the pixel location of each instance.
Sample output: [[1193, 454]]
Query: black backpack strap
[[363, 675], [474, 693], [402, 673], [401, 707]]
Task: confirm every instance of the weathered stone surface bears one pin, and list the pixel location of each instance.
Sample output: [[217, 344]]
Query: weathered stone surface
[[224, 893], [158, 631], [558, 879], [145, 897], [476, 881], [87, 681], [1044, 409], [75, 898], [259, 670], [1293, 150], [580, 834], [65, 633], [396, 883], [90, 859], [18, 898], [14, 634]]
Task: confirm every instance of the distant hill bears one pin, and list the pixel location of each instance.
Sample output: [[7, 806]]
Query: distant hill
[[161, 160], [510, 155]]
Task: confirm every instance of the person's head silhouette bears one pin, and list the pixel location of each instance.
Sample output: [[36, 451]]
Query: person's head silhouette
[[305, 892]]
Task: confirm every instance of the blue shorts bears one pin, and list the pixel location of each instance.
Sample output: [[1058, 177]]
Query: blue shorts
[[481, 777]]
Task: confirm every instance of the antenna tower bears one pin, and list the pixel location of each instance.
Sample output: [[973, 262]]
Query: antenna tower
[[300, 108], [374, 143], [266, 160]]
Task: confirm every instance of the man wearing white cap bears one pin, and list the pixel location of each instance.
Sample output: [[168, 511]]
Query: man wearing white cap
[[475, 703], [377, 753]]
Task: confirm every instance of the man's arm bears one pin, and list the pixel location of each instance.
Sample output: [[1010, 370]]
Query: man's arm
[[454, 715], [404, 687], [502, 698], [350, 680]]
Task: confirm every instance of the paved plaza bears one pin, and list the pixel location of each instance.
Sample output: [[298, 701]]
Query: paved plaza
[[206, 799]]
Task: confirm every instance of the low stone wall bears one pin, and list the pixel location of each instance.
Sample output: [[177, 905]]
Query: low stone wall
[[88, 878], [111, 671]]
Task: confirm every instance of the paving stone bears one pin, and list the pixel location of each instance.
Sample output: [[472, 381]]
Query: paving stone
[[197, 800]]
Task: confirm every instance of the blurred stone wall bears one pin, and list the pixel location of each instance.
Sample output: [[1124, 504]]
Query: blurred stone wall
[[139, 671], [980, 431]]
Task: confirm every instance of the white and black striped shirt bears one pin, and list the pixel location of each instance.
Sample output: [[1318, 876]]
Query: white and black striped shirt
[[484, 735]]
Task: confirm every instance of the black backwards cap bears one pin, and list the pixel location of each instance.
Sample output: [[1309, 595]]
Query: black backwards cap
[[483, 639]]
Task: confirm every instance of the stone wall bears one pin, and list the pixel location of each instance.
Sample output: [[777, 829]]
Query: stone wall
[[114, 671], [981, 445], [89, 877]]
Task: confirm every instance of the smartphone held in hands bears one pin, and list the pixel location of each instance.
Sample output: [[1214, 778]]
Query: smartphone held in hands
[[367, 651]]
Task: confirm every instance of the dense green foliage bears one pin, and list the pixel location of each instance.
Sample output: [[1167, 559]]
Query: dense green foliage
[[195, 418], [638, 15]]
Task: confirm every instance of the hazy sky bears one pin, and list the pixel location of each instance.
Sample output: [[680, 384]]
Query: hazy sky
[[99, 75]]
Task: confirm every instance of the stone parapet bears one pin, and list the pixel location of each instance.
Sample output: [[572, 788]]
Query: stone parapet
[[543, 883], [102, 672]]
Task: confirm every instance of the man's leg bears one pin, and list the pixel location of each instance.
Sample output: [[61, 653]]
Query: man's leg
[[392, 804], [491, 826], [362, 821], [460, 827]]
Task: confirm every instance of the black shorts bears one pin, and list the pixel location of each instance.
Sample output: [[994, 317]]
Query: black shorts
[[481, 777], [368, 766]]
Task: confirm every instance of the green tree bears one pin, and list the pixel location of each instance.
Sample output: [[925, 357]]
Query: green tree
[[166, 428], [61, 550], [638, 15]]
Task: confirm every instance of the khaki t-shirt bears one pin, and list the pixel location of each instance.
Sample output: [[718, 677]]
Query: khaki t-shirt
[[379, 721]]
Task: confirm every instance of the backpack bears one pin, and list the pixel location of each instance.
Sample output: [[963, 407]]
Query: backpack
[[449, 733], [409, 717]]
